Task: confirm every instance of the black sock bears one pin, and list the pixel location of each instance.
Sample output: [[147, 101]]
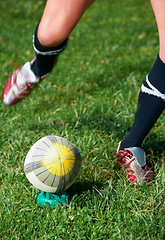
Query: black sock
[[45, 56], [151, 104]]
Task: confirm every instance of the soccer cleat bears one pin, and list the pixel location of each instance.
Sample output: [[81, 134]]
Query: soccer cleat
[[134, 164], [19, 84]]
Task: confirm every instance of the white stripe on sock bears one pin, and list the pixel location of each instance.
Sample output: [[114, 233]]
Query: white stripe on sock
[[153, 90]]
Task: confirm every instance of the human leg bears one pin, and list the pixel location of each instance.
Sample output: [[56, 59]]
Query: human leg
[[50, 39], [59, 19], [159, 11], [151, 104]]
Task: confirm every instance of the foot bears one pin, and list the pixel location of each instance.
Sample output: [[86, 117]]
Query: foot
[[134, 164], [19, 85]]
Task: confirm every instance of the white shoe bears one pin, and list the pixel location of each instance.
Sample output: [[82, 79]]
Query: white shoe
[[19, 85], [134, 164]]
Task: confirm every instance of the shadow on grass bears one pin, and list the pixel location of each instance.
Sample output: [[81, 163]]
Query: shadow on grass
[[83, 186], [80, 188]]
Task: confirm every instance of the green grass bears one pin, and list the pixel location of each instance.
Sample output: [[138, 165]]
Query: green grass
[[90, 98]]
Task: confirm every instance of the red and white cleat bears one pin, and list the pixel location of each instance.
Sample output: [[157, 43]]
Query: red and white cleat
[[134, 164], [19, 85]]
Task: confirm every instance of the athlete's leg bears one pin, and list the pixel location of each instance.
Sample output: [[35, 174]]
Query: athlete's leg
[[59, 19], [50, 39], [151, 102], [159, 11]]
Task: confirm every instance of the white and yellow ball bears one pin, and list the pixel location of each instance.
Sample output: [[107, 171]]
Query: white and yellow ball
[[52, 164]]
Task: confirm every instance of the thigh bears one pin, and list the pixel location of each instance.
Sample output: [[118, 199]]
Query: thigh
[[61, 16]]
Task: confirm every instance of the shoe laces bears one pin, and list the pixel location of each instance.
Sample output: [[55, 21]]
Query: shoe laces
[[128, 156]]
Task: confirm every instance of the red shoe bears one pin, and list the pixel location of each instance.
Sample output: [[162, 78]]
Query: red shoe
[[19, 85], [134, 164]]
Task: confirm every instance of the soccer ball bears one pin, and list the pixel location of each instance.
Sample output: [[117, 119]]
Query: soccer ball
[[52, 164]]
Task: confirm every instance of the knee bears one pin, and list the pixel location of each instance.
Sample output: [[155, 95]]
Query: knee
[[52, 35]]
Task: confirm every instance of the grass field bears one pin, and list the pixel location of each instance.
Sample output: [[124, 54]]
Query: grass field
[[90, 99]]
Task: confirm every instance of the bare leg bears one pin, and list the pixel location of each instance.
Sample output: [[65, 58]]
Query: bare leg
[[159, 11], [59, 19]]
